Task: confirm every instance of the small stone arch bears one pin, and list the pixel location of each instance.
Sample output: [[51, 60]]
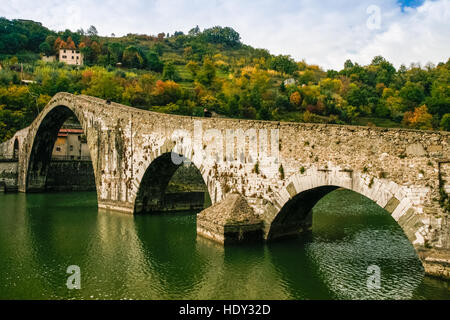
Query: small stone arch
[[303, 191]]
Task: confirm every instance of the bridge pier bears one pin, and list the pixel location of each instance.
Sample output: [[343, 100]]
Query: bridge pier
[[118, 206], [230, 221], [436, 262]]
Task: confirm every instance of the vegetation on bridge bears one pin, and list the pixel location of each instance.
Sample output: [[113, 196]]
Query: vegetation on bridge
[[184, 73]]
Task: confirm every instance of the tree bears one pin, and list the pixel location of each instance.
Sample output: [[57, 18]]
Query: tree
[[70, 44], [208, 73], [193, 68], [227, 36], [132, 57], [419, 119], [153, 62], [194, 31], [92, 31], [106, 87], [59, 44], [445, 122], [384, 70], [161, 36], [46, 48], [170, 72], [166, 92], [348, 64], [115, 51], [412, 95], [439, 101], [14, 42], [283, 64], [51, 41], [296, 99]]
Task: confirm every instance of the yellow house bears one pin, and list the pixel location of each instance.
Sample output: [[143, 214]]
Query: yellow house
[[71, 56]]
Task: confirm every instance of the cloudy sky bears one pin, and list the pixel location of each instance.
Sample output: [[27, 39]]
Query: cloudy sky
[[325, 32]]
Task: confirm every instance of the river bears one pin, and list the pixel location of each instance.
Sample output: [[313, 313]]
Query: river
[[160, 256]]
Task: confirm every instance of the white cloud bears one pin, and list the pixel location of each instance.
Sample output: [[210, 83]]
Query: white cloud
[[321, 32]]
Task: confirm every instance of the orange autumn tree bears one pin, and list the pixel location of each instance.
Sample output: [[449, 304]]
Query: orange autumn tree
[[70, 44], [59, 43], [296, 99], [419, 119], [166, 92]]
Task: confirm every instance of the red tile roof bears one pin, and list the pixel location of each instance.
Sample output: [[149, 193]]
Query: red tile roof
[[71, 131]]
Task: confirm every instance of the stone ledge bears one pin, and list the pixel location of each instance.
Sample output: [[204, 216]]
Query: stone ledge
[[436, 262]]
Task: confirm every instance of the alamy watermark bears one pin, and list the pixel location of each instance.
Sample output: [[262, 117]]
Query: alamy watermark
[[73, 281], [374, 279], [215, 146], [374, 20]]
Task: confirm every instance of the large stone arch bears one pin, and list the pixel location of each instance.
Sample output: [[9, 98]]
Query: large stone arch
[[303, 190], [159, 171], [38, 145]]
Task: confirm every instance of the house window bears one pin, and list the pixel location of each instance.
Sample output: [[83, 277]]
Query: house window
[[78, 51], [58, 149], [64, 57], [73, 57], [64, 51], [71, 148]]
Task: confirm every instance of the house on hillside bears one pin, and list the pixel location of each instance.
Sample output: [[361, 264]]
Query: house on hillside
[[48, 58], [289, 82], [71, 56]]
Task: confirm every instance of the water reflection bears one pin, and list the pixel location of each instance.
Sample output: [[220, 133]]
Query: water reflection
[[354, 233], [161, 257]]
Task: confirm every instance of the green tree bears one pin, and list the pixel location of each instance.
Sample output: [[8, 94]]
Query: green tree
[[283, 64], [132, 57], [170, 72], [46, 48], [227, 36], [445, 122], [412, 95], [208, 73], [153, 62], [193, 68], [106, 87], [439, 101]]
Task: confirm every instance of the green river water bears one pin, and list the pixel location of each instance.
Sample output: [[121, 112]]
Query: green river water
[[160, 256]]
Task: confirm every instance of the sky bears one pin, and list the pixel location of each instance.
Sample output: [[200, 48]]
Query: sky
[[323, 32]]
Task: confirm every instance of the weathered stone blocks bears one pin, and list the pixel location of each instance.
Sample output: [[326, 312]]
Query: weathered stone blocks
[[231, 220]]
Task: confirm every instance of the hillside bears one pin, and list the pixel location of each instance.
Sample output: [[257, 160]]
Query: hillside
[[184, 73]]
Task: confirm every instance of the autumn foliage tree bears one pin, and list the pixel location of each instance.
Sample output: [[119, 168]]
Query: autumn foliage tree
[[419, 119], [59, 44], [296, 99], [70, 44]]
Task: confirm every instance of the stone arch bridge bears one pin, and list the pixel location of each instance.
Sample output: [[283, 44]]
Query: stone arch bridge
[[263, 177]]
